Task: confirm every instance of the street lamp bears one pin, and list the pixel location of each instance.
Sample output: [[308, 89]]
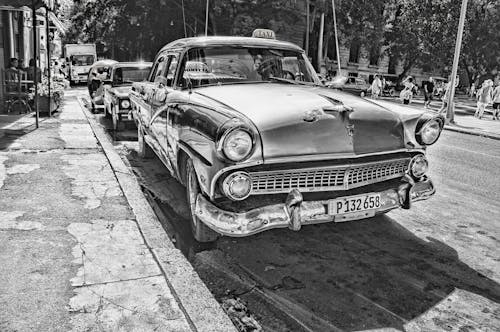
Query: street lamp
[[450, 112]]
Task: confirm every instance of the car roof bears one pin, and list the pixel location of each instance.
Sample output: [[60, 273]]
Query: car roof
[[133, 64], [230, 41], [105, 62]]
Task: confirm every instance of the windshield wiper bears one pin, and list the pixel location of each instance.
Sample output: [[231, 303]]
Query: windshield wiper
[[284, 80]]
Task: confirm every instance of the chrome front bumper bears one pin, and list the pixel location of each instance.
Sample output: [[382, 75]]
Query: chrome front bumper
[[295, 212]]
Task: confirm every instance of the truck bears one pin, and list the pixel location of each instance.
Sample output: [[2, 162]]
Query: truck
[[79, 59]]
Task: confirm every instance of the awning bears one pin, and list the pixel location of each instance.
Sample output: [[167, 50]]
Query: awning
[[57, 23]]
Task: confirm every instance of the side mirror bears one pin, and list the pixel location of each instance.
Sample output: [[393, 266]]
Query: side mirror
[[160, 96]]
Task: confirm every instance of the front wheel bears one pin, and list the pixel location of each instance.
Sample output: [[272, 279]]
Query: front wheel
[[145, 150], [201, 232], [362, 94], [107, 113]]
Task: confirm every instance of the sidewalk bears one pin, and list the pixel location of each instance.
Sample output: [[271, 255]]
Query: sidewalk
[[465, 122], [80, 248]]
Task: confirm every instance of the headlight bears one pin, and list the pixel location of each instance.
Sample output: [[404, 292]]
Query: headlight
[[237, 186], [237, 145], [429, 132], [418, 166], [125, 104]]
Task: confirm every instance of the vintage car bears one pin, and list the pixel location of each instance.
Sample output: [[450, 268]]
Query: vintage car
[[355, 85], [98, 72], [259, 143], [117, 89]]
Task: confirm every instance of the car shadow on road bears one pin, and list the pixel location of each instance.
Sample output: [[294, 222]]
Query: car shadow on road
[[359, 275]]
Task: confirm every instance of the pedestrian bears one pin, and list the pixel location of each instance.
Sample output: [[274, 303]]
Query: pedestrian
[[472, 90], [407, 93], [484, 95], [376, 87], [428, 91], [31, 72], [496, 102], [12, 75], [446, 95]]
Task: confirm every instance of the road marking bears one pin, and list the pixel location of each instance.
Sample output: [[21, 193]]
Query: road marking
[[471, 151]]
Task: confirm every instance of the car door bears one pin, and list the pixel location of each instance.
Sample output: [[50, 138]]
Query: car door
[[107, 90], [143, 97], [163, 101]]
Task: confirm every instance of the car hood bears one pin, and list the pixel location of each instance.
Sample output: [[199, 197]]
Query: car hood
[[121, 91], [302, 120]]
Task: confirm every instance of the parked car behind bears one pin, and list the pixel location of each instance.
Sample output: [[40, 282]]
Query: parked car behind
[[117, 88], [259, 143], [99, 71], [354, 85]]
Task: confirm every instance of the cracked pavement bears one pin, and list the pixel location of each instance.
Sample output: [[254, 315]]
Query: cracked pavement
[[71, 255]]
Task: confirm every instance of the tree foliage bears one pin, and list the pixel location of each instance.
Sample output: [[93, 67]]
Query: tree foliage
[[417, 33]]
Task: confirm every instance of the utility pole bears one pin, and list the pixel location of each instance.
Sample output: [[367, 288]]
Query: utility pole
[[307, 28], [320, 41], [336, 37], [206, 20], [184, 19], [450, 112]]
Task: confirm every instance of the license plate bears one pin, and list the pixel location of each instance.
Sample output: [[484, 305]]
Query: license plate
[[354, 204]]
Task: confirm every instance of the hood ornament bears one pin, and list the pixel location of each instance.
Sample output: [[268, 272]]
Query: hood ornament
[[312, 115], [350, 129]]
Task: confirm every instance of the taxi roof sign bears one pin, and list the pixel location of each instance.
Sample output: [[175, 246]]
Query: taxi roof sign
[[264, 33]]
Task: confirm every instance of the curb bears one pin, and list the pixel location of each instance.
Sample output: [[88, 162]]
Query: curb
[[472, 132], [201, 309]]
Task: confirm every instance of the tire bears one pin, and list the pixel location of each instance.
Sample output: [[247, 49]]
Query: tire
[[107, 113], [392, 92], [145, 150], [117, 123], [362, 94], [201, 232]]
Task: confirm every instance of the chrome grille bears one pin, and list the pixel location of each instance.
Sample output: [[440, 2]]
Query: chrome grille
[[343, 177]]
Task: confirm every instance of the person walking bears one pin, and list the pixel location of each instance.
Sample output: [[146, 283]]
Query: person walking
[[483, 98], [428, 91], [496, 102], [446, 95], [407, 93], [376, 87], [472, 90]]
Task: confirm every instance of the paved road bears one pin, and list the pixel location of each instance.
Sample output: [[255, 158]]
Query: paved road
[[380, 272]]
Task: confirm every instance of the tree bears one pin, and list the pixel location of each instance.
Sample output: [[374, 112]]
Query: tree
[[481, 45]]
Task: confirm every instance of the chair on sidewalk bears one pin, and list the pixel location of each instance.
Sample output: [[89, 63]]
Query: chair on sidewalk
[[15, 90]]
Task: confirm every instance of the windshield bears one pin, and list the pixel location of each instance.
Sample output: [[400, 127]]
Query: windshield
[[226, 64], [82, 60], [129, 75]]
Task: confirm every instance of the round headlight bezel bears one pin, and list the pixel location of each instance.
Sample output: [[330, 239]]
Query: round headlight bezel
[[433, 123], [225, 140], [418, 159], [124, 102], [229, 181]]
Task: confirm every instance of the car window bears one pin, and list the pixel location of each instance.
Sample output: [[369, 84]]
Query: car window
[[157, 69], [130, 74], [229, 65], [170, 69]]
